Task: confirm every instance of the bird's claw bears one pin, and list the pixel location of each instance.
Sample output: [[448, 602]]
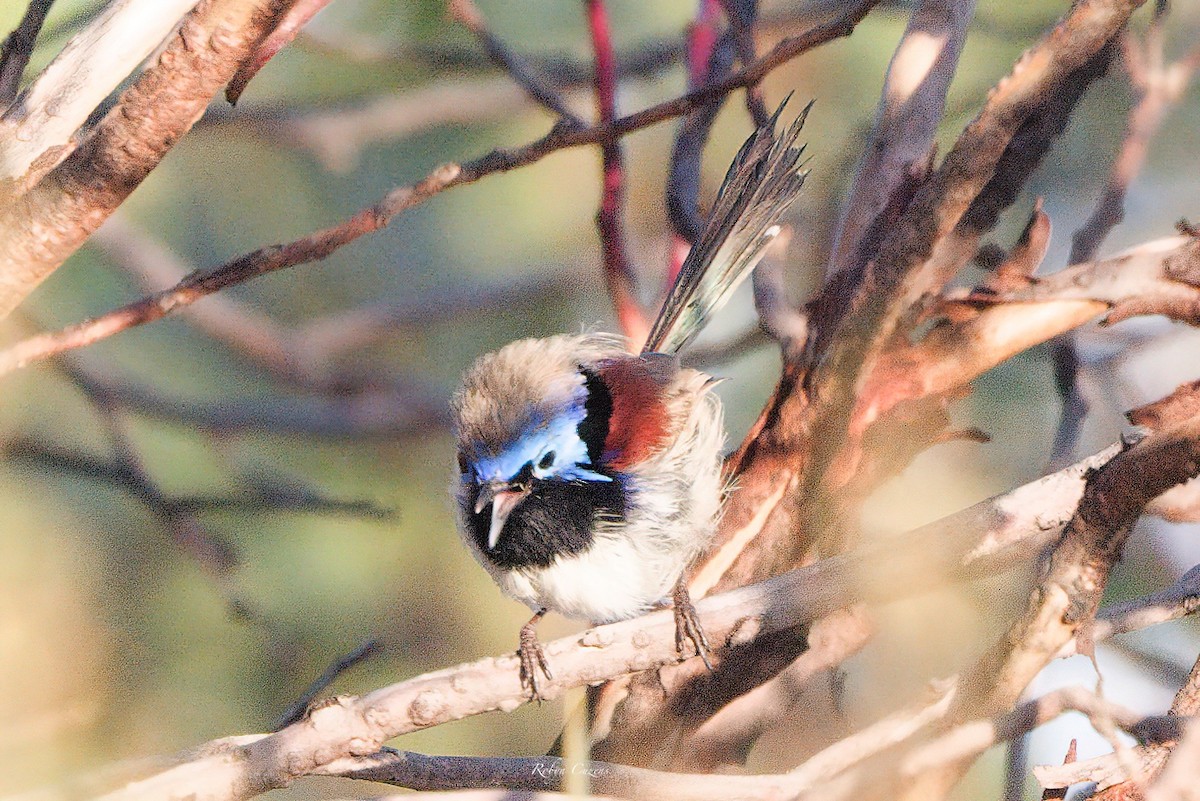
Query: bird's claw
[[533, 659], [687, 626]]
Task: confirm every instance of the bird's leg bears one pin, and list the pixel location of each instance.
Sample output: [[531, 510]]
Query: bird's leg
[[532, 657], [687, 625]]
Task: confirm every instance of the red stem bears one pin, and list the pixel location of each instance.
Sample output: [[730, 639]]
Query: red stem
[[617, 273], [701, 39]]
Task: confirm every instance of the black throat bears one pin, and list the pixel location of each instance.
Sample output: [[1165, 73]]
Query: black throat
[[556, 518]]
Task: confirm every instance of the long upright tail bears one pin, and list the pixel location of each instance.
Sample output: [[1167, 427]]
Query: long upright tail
[[762, 181]]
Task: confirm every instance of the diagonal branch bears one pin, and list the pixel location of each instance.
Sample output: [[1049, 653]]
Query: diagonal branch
[[51, 110], [906, 120], [1063, 605], [535, 84], [321, 244], [18, 47], [288, 28], [1002, 533], [39, 230]]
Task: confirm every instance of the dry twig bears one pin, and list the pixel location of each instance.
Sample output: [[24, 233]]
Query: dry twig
[[18, 47], [317, 246], [46, 224]]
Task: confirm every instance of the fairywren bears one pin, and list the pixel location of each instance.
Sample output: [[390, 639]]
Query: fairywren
[[589, 477]]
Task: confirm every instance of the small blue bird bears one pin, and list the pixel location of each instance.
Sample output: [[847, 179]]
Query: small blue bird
[[590, 477]]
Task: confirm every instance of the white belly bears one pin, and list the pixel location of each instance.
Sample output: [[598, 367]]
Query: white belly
[[612, 580]]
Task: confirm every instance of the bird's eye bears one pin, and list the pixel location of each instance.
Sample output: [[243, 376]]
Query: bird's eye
[[462, 463], [547, 461]]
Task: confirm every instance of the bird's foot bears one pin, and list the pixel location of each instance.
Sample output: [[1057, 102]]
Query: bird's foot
[[532, 658], [687, 625]]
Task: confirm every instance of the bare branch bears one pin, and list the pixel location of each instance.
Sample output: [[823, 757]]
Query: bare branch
[[967, 741], [815, 409], [287, 29], [1161, 277], [205, 282], [47, 114], [18, 47], [1036, 310], [376, 410], [299, 708], [618, 273], [709, 59], [319, 245], [906, 120], [313, 355], [1004, 532], [1063, 605], [1158, 88], [534, 84], [546, 773], [48, 223], [1112, 774]]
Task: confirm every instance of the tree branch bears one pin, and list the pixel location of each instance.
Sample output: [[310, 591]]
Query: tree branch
[[288, 28], [321, 244], [48, 223], [47, 115], [532, 82], [906, 120], [18, 47]]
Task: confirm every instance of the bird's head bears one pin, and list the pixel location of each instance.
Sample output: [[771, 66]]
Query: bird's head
[[531, 419]]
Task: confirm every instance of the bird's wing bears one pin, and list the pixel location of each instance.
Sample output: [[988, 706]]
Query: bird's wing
[[762, 181]]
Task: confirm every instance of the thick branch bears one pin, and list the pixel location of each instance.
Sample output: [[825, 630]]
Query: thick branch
[[906, 121], [49, 222], [1006, 531], [47, 114], [18, 47], [1063, 605]]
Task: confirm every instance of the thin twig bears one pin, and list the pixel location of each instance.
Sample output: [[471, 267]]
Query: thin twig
[[321, 244], [374, 410], [297, 709], [743, 16], [777, 316], [312, 355], [287, 29], [205, 282], [709, 59], [1158, 87], [18, 47], [535, 84], [1063, 606], [618, 273]]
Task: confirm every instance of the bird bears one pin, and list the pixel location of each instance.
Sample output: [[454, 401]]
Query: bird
[[589, 476]]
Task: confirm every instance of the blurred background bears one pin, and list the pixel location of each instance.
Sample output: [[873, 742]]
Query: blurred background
[[197, 516]]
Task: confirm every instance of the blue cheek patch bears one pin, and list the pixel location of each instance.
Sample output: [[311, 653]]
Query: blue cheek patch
[[560, 435]]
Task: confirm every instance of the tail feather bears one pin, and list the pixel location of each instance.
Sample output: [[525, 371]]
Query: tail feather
[[761, 183]]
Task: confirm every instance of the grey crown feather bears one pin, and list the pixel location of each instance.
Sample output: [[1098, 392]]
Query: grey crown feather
[[761, 183]]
